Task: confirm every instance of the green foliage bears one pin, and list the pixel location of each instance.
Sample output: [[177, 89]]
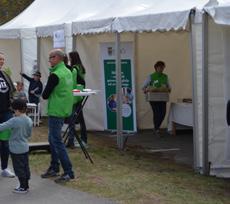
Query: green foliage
[[11, 8]]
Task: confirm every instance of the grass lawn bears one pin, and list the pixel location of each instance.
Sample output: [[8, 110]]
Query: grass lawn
[[134, 177]]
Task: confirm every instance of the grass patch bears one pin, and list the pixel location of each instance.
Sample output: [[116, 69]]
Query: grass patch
[[133, 176]]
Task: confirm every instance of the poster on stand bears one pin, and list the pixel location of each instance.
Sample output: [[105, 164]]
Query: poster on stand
[[128, 87]]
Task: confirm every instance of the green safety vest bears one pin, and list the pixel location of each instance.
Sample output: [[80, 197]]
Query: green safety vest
[[60, 102], [76, 99], [79, 71], [5, 135], [158, 79]]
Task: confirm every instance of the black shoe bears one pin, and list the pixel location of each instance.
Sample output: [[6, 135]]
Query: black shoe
[[64, 178], [49, 173], [158, 133], [20, 190]]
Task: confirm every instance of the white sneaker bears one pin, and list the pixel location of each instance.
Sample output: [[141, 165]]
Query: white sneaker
[[7, 173]]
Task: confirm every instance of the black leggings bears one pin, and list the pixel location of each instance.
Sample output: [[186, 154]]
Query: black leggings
[[4, 152], [159, 111], [4, 144]]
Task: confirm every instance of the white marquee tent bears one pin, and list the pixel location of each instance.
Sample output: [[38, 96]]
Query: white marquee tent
[[217, 80], [139, 22]]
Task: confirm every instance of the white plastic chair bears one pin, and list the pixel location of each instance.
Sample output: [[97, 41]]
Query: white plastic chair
[[34, 112], [38, 112]]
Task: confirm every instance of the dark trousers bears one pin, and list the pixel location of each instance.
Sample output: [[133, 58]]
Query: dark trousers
[[81, 121], [4, 151], [4, 145], [159, 111], [21, 168]]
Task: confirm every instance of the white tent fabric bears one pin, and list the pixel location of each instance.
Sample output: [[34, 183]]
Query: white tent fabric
[[197, 79], [42, 13], [53, 15], [101, 16], [220, 13], [218, 95], [140, 15], [218, 88]]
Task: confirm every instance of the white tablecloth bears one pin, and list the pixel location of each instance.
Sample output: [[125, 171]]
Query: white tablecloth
[[180, 113]]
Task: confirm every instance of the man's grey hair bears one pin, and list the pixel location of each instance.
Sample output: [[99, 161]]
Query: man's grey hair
[[58, 52]]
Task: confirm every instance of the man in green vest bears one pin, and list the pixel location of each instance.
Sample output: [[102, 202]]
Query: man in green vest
[[58, 91], [157, 82]]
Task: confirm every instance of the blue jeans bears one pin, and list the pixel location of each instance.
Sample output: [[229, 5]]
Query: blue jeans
[[4, 144], [57, 147]]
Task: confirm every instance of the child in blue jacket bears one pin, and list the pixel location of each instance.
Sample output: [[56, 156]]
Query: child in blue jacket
[[21, 129]]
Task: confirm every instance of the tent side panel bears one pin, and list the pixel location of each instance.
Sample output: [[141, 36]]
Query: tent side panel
[[198, 94], [174, 49], [218, 93], [150, 48], [29, 57], [46, 44], [88, 47], [11, 49]]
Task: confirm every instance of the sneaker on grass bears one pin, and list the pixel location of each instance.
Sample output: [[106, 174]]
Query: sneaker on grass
[[64, 178], [49, 174], [7, 173]]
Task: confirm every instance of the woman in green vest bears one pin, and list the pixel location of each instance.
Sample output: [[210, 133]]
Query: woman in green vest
[[76, 64], [157, 82]]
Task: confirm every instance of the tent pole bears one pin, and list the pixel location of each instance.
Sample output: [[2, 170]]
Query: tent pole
[[21, 53], [194, 92], [21, 70], [38, 53], [68, 37], [74, 45], [120, 142], [205, 94]]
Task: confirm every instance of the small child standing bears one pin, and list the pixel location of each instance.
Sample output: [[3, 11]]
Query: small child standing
[[20, 94], [21, 129]]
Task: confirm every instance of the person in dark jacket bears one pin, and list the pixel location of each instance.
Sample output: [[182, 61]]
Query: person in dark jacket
[[7, 90], [35, 87]]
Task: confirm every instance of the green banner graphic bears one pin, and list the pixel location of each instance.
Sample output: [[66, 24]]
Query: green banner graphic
[[127, 94]]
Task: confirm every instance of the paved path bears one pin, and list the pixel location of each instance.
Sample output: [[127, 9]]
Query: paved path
[[45, 191]]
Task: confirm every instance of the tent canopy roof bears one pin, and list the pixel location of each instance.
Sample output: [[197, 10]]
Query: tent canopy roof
[[102, 16], [220, 13]]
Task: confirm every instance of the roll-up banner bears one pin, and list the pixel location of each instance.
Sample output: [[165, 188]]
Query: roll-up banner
[[108, 64]]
